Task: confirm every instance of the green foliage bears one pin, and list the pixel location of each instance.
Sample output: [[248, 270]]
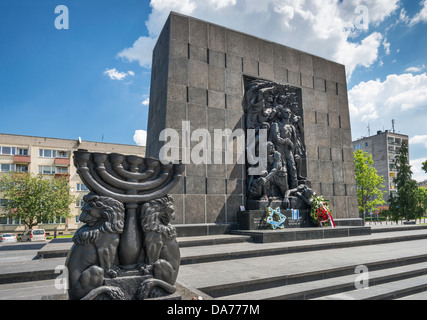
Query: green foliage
[[34, 199], [369, 183], [407, 203], [421, 198]]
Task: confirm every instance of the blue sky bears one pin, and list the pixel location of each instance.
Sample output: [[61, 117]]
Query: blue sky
[[93, 79]]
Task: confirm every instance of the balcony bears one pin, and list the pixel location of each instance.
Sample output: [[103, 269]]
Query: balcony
[[62, 161], [22, 159]]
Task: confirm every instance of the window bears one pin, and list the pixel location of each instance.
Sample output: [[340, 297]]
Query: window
[[7, 150], [357, 147], [61, 170], [55, 220], [3, 202], [367, 144], [22, 152], [52, 170], [81, 187], [21, 168], [62, 154], [46, 170], [10, 221], [44, 153], [7, 167], [80, 203]]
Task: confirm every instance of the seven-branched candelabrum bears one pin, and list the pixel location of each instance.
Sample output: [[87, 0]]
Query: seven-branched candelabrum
[[132, 182]]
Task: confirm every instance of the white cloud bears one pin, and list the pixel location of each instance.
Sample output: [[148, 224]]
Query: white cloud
[[363, 54], [141, 51], [221, 4], [386, 46], [324, 28], [400, 97], [417, 172], [146, 102], [116, 75], [398, 93], [421, 16], [140, 137], [419, 140], [415, 69]]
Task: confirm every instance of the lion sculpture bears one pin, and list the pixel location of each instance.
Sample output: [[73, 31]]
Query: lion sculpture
[[94, 253], [160, 255]]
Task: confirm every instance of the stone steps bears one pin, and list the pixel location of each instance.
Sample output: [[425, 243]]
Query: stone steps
[[60, 248], [387, 291], [305, 269], [32, 290], [222, 252], [232, 267], [344, 284]]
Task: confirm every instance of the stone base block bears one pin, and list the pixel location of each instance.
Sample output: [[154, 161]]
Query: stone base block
[[130, 281], [254, 219]]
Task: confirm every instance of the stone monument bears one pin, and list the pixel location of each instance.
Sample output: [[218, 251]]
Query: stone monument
[[213, 78], [127, 248]]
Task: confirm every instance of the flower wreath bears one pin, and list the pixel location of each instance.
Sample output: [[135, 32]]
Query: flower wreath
[[320, 212], [274, 218]]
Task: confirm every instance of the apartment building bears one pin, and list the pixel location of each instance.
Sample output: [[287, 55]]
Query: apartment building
[[51, 157], [384, 147]]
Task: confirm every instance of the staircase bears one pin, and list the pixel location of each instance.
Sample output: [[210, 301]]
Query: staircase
[[394, 261], [233, 267]]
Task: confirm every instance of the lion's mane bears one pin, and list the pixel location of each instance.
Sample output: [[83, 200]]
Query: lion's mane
[[150, 214], [112, 219]]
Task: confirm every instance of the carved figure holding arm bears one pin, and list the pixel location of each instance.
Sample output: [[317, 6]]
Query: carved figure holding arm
[[298, 198], [275, 182], [284, 138]]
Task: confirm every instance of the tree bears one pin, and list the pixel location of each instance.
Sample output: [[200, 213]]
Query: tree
[[421, 198], [34, 199], [406, 197], [393, 211], [369, 183]]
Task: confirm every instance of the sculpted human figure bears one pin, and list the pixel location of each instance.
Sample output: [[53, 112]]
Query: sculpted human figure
[[299, 198], [284, 139], [274, 182], [300, 151], [94, 253], [260, 107]]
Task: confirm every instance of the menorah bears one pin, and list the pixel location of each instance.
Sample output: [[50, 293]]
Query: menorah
[[131, 180]]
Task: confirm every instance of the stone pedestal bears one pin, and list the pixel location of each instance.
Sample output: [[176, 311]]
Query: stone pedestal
[[254, 220], [130, 282]]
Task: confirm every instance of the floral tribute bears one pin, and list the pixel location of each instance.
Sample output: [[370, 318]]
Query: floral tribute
[[320, 212], [275, 218]]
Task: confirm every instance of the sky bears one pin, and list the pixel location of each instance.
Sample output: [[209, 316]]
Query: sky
[[82, 68]]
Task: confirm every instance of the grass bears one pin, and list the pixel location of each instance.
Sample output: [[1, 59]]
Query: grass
[[68, 236]]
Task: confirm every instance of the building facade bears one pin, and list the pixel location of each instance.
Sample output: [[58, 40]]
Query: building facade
[[199, 77], [51, 157], [384, 147]]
